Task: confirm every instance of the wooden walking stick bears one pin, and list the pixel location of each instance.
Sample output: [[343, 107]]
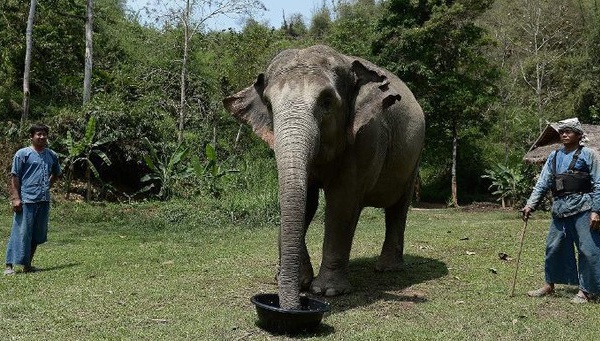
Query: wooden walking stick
[[512, 291]]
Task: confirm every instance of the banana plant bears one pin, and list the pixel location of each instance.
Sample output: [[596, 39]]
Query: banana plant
[[164, 169], [81, 152], [211, 171], [509, 183]]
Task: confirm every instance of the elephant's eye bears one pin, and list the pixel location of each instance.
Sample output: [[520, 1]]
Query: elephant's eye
[[327, 100], [267, 102]]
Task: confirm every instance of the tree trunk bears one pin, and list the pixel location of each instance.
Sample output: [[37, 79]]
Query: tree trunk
[[88, 177], [539, 93], [87, 78], [418, 188], [27, 66], [454, 160], [182, 100], [69, 172]]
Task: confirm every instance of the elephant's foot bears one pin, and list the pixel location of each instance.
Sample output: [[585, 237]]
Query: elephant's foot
[[306, 276], [389, 263], [331, 283]]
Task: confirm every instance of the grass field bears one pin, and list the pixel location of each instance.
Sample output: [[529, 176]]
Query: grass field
[[164, 272]]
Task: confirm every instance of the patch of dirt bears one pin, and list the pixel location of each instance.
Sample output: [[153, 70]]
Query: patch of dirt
[[472, 207], [483, 207], [428, 206]]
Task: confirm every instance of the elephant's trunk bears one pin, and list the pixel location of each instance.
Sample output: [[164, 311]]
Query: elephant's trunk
[[296, 138]]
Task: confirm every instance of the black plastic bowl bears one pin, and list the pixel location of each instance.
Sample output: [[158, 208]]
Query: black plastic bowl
[[288, 321]]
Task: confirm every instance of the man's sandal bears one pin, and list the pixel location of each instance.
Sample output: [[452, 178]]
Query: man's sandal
[[578, 299], [540, 292], [9, 272]]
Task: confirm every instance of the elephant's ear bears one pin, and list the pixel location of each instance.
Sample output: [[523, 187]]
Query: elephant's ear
[[247, 106], [373, 95]]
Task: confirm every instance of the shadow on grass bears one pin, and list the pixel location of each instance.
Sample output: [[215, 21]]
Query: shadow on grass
[[322, 330], [371, 286]]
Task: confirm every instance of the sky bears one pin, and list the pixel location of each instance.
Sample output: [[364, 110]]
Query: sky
[[273, 15]]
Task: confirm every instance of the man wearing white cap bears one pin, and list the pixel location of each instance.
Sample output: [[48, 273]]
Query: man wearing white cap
[[572, 173]]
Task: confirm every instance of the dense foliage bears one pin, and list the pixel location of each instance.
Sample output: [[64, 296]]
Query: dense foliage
[[453, 81], [487, 79]]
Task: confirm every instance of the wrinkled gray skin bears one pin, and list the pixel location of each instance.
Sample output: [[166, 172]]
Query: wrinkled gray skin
[[353, 129]]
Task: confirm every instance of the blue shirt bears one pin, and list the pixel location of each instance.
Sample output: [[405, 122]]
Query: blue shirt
[[33, 170], [571, 204]]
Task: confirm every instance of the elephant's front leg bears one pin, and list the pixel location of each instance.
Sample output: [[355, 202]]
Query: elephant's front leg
[[341, 217]]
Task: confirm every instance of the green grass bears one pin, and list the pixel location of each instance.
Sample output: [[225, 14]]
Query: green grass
[[180, 271]]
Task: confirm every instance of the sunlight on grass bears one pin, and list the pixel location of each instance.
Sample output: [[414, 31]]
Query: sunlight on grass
[[144, 272]]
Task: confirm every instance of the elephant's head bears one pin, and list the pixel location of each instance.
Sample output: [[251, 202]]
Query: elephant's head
[[308, 106]]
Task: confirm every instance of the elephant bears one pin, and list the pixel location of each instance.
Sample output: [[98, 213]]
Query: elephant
[[345, 126]]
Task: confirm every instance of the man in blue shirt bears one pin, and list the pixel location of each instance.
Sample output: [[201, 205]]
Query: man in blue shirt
[[572, 173], [34, 171]]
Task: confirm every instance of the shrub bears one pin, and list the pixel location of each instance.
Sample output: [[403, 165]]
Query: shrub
[[511, 183]]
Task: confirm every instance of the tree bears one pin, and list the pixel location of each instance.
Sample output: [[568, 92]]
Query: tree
[[27, 68], [56, 50], [192, 18], [546, 73], [587, 100], [436, 47], [320, 23], [252, 47], [296, 28], [13, 19], [355, 27], [89, 25], [545, 32]]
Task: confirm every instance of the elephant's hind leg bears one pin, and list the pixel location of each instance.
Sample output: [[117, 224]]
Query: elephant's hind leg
[[392, 252]]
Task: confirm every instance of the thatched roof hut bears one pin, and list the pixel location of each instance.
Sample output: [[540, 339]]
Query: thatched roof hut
[[549, 140]]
